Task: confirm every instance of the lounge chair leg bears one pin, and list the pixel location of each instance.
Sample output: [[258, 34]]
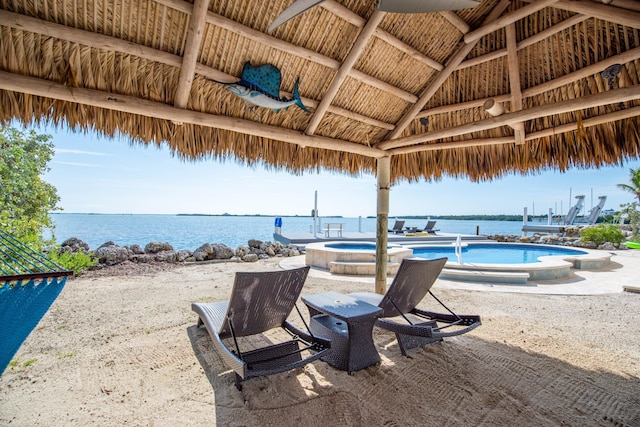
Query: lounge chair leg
[[407, 342], [238, 382]]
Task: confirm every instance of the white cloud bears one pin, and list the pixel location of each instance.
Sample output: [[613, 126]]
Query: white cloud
[[88, 153], [85, 165]]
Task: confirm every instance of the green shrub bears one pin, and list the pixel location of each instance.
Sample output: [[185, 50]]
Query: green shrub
[[78, 261], [602, 233]]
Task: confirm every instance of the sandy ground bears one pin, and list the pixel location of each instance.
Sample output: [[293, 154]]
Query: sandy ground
[[124, 350]]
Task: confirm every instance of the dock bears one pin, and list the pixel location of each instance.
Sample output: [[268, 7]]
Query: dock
[[545, 228], [302, 239]]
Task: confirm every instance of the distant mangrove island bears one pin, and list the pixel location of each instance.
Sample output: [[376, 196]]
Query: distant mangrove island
[[452, 217]]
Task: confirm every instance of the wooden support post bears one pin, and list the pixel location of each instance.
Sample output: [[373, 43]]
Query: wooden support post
[[382, 228]]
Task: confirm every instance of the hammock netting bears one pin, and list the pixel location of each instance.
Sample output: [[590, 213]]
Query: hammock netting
[[29, 283]]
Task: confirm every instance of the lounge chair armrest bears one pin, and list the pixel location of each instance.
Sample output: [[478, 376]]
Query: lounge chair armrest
[[424, 329], [467, 319], [463, 322]]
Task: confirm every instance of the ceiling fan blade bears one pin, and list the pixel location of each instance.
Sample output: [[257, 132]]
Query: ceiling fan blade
[[297, 8], [423, 6]]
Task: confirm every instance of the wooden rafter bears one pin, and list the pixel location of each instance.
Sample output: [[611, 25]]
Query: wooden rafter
[[582, 73], [624, 4], [192, 48], [514, 80], [355, 53], [507, 19], [567, 23], [456, 21], [618, 15], [354, 19]]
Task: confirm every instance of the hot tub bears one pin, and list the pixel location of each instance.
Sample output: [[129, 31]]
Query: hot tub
[[353, 258]]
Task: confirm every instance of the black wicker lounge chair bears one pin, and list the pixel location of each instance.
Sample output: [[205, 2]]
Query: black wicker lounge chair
[[429, 227], [260, 302], [415, 327], [397, 227]]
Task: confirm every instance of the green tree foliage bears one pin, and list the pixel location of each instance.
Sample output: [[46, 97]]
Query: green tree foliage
[[25, 199], [632, 214], [630, 210], [634, 185]]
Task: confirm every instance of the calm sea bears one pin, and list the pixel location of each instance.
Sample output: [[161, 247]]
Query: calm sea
[[190, 232]]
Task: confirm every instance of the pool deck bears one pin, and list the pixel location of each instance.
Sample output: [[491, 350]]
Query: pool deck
[[621, 273]]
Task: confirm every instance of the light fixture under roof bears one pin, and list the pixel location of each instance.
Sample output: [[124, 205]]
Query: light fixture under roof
[[611, 71]]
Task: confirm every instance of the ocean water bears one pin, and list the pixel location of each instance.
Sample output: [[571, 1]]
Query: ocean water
[[190, 232]]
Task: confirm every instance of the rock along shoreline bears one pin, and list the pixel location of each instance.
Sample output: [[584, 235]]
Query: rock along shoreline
[[110, 254]]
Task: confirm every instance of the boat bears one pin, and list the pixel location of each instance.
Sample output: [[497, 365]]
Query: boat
[[632, 245]]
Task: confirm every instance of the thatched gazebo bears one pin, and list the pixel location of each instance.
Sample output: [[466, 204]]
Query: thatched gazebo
[[505, 86]]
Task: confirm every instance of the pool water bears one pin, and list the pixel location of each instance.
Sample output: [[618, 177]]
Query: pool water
[[494, 254]]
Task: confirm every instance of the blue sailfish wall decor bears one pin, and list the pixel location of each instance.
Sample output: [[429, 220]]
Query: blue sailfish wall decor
[[261, 86]]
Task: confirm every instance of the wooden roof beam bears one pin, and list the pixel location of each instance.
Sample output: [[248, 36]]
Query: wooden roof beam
[[514, 81], [354, 54], [191, 52], [623, 12], [358, 21], [567, 23], [507, 19], [569, 127], [615, 96], [623, 4], [408, 50], [585, 72], [439, 80], [616, 15], [129, 104], [601, 119], [456, 21]]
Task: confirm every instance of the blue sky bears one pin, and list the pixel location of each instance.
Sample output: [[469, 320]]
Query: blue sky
[[103, 175]]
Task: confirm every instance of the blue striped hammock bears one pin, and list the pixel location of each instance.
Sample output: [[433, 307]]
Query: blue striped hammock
[[29, 283]]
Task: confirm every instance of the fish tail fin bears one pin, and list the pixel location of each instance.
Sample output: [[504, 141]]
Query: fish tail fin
[[296, 97]]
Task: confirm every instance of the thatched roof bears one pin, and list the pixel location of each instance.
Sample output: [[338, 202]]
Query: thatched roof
[[416, 87]]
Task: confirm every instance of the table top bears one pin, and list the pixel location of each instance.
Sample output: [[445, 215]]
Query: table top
[[342, 306]]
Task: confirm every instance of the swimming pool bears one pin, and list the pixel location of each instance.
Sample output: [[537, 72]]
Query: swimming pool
[[495, 253], [509, 263]]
